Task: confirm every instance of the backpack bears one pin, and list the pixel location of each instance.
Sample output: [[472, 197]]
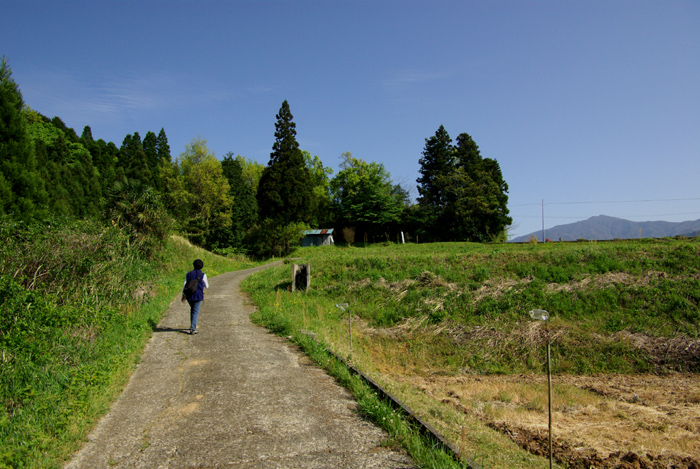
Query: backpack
[[191, 286]]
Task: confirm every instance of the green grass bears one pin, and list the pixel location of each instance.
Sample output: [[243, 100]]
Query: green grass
[[592, 289], [427, 453], [454, 309], [78, 308]]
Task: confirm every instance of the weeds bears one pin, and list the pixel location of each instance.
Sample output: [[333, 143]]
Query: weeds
[[78, 306]]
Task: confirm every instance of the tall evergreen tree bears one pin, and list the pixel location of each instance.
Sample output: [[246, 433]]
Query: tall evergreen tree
[[104, 158], [438, 159], [163, 160], [68, 132], [162, 147], [476, 195], [86, 137], [22, 192], [151, 151], [244, 213], [133, 159], [284, 192], [463, 197]]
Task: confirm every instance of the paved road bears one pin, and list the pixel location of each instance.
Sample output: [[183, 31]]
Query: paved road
[[231, 396]]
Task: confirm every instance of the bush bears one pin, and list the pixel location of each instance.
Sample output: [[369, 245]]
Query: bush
[[137, 209], [269, 239]]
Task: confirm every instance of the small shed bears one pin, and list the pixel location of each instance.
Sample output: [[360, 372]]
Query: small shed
[[317, 238]]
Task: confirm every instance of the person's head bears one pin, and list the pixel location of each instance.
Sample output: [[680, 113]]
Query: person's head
[[198, 264]]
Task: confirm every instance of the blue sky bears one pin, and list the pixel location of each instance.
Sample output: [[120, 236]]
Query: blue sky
[[590, 106]]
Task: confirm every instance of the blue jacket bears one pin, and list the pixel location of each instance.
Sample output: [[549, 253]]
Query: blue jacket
[[199, 294]]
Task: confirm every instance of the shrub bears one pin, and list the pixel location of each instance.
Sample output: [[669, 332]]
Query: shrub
[[269, 239], [137, 209], [349, 235]]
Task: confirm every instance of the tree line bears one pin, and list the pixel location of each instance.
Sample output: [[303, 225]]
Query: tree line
[[235, 204]]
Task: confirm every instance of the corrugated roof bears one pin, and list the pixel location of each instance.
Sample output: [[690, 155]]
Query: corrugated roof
[[318, 232]]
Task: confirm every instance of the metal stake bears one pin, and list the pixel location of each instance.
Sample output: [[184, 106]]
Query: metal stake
[[549, 385]]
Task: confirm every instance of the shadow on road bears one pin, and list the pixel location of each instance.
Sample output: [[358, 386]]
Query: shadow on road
[[172, 329]]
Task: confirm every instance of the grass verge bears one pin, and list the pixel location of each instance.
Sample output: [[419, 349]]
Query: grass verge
[[79, 307]]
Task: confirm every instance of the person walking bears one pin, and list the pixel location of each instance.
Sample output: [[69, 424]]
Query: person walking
[[196, 297]]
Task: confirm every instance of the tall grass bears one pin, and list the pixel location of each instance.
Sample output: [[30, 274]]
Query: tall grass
[[78, 306]]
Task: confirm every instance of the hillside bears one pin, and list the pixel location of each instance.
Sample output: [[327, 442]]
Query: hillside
[[445, 327], [80, 303], [603, 227]]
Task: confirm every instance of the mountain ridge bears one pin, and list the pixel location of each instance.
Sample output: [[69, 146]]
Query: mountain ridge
[[602, 227]]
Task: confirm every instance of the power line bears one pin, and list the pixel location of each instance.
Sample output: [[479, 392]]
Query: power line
[[606, 202], [621, 201], [620, 216]]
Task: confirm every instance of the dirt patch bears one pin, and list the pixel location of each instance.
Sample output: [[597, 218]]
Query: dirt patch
[[604, 421]]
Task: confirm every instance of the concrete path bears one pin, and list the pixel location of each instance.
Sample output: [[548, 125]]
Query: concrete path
[[231, 396]]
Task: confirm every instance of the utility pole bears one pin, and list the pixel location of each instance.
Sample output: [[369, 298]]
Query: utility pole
[[543, 238]]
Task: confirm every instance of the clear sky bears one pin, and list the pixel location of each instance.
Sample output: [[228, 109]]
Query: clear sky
[[590, 106]]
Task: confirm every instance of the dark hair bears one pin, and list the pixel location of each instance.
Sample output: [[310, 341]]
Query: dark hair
[[198, 264]]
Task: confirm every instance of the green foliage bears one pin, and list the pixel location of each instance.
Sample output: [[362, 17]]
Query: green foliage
[[251, 171], [285, 190], [78, 306], [137, 209], [198, 194], [21, 186], [469, 303], [462, 195], [321, 196], [268, 239], [162, 160], [104, 158], [436, 162], [151, 153], [66, 166], [364, 196], [244, 213], [133, 159]]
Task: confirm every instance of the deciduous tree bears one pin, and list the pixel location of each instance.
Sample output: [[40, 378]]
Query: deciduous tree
[[198, 194], [321, 192], [365, 197]]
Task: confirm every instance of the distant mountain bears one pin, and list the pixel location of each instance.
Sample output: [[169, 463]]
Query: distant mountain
[[604, 227]]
